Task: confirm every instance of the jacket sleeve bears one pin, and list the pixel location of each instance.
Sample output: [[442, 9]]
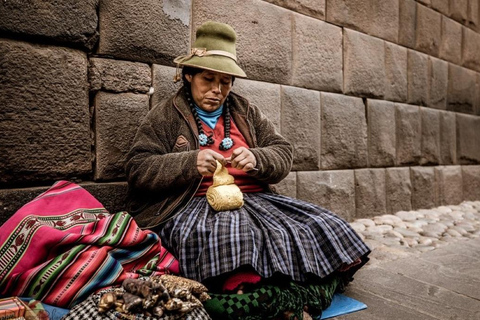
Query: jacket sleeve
[[274, 154], [154, 164]]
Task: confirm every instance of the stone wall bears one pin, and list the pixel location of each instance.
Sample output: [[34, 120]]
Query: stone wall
[[380, 98]]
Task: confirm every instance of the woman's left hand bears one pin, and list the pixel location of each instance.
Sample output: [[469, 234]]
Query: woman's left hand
[[242, 159]]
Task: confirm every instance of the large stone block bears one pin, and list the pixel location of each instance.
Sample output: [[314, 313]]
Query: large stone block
[[417, 78], [301, 109], [163, 85], [112, 194], [424, 188], [461, 89], [471, 49], [344, 132], [448, 140], [112, 112], [288, 186], [428, 30], [471, 183], [430, 136], [370, 196], [333, 190], [441, 6], [437, 83], [313, 8], [473, 14], [450, 185], [13, 199], [477, 89], [119, 76], [264, 35], [353, 14], [317, 55], [45, 116], [428, 3], [64, 21], [396, 72], [381, 133], [398, 190], [407, 23], [148, 31], [468, 139], [364, 65], [459, 10], [408, 128], [264, 95], [385, 15], [451, 43]]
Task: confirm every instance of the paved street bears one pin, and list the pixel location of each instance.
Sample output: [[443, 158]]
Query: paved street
[[440, 284]]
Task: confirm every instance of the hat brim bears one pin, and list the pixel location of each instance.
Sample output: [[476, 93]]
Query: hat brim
[[216, 63]]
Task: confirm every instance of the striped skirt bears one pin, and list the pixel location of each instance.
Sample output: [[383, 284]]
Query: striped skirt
[[271, 233]]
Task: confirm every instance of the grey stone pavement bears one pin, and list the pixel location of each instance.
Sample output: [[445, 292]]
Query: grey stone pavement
[[440, 284]]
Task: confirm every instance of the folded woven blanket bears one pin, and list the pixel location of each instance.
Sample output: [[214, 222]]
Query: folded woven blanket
[[63, 245]]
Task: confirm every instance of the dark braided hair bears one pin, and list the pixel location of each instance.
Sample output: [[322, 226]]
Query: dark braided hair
[[205, 140], [227, 142]]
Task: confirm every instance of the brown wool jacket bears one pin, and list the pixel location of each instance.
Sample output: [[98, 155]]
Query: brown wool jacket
[[161, 166]]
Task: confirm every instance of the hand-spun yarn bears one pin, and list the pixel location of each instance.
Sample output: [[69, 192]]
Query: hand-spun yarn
[[224, 194]]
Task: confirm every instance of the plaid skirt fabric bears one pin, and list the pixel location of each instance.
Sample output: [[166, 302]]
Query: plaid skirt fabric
[[271, 233]]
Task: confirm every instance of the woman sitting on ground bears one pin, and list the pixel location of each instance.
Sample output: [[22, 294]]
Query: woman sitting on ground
[[271, 256]]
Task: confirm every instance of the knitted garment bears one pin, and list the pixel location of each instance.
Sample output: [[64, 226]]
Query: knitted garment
[[271, 302], [239, 278], [224, 194], [209, 118], [159, 145]]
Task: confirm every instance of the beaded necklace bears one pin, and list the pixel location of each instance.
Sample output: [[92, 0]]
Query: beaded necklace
[[203, 139]]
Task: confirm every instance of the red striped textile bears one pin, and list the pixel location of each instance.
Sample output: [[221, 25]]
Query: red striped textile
[[63, 245]]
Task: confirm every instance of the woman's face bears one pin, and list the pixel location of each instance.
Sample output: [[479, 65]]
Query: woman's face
[[210, 89]]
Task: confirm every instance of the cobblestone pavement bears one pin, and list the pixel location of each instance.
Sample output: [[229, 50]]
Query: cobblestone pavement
[[414, 232], [425, 264]]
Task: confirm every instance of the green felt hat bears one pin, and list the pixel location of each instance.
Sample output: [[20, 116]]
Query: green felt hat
[[214, 49]]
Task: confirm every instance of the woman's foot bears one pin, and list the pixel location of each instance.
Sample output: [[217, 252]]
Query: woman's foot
[[288, 315], [240, 289], [307, 316]]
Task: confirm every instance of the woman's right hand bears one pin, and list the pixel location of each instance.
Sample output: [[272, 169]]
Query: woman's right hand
[[206, 161]]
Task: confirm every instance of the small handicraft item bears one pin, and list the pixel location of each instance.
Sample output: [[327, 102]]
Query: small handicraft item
[[224, 194], [155, 297]]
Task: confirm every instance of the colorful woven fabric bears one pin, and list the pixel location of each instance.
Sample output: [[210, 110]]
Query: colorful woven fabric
[[63, 245], [38, 309], [272, 301]]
